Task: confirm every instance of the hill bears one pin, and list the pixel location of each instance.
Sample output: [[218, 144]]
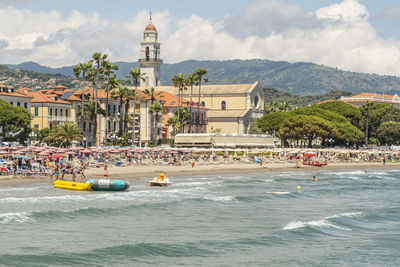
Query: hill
[[297, 78], [274, 95]]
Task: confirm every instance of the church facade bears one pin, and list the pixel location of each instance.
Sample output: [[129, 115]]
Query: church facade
[[229, 108]]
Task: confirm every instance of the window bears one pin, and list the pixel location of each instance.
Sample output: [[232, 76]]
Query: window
[[108, 109], [84, 125], [115, 125], [114, 108], [51, 126], [36, 126], [256, 101], [109, 125], [119, 109], [66, 113], [56, 112], [147, 54], [12, 103], [61, 112], [25, 105], [203, 103], [51, 112], [90, 126], [223, 105], [18, 104], [36, 111]]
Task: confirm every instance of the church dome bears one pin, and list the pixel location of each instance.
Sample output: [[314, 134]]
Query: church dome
[[150, 27]]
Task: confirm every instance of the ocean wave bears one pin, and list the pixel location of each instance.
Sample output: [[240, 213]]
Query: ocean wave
[[18, 217], [326, 222]]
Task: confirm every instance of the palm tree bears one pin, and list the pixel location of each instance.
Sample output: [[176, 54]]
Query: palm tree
[[190, 81], [156, 108], [65, 134], [200, 73], [179, 82], [129, 96], [136, 76], [83, 68], [90, 111], [109, 73], [152, 94], [174, 122], [98, 58], [120, 92]]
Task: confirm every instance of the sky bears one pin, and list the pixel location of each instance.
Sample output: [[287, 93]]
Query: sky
[[354, 35]]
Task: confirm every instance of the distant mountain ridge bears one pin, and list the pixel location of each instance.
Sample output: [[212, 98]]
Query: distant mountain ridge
[[298, 78]]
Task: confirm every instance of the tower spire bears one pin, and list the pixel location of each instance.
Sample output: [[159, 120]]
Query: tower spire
[[150, 17]]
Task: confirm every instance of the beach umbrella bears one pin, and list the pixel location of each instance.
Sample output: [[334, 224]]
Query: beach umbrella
[[309, 155], [86, 151], [23, 157], [44, 153], [3, 152], [57, 156]]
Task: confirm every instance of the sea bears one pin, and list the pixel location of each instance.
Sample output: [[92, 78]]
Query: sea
[[346, 218]]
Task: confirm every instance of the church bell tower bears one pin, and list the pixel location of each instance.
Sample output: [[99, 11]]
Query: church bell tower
[[150, 61]]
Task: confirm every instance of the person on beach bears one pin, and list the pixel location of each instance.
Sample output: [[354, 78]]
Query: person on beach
[[315, 179], [73, 174], [83, 167], [105, 170], [56, 172], [384, 160]]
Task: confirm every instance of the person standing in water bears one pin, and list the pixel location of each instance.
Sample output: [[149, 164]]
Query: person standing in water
[[315, 179]]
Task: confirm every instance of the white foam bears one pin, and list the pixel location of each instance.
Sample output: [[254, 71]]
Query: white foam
[[220, 198], [279, 193], [323, 223], [15, 217]]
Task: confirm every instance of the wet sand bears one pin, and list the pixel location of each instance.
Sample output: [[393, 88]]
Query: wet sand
[[133, 172]]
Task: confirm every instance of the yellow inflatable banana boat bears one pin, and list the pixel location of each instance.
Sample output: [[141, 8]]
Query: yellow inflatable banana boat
[[72, 185]]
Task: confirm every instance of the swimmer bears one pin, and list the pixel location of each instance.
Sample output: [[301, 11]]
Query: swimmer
[[315, 179]]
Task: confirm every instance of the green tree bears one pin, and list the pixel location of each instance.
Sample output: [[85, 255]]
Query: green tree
[[63, 135], [136, 76], [82, 68], [179, 81], [156, 109], [191, 80], [389, 133], [271, 123], [110, 76], [350, 112], [254, 129], [200, 74], [176, 125], [96, 75], [347, 133], [307, 127], [122, 93], [14, 122], [90, 110]]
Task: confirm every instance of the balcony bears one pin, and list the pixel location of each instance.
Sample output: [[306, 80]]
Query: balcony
[[200, 122], [150, 61], [60, 118]]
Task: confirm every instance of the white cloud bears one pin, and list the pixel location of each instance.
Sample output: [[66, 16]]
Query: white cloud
[[339, 35]]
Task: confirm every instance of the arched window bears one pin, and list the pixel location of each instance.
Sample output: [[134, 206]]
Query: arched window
[[256, 101], [223, 105], [203, 103], [147, 54]]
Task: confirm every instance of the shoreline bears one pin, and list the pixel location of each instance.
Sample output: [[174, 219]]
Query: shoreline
[[137, 172]]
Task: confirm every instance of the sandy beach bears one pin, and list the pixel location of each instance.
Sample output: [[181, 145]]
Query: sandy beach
[[133, 172]]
